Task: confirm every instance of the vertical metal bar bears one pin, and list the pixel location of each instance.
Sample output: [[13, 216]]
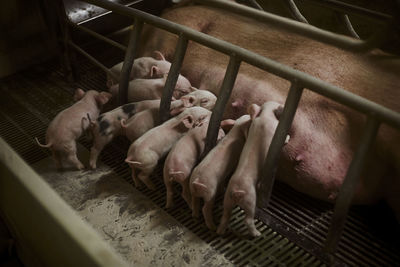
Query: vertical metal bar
[[172, 78], [271, 162], [350, 183], [255, 4], [128, 61], [68, 57], [218, 111], [296, 12], [347, 23]]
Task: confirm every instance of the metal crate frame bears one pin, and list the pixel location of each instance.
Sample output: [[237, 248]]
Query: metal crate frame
[[376, 114]]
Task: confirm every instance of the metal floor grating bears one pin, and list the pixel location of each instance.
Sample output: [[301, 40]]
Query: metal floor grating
[[297, 225]]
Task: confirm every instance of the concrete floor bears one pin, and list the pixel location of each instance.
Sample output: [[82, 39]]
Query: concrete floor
[[139, 230]]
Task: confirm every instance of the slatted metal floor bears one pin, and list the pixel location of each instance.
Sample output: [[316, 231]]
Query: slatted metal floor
[[296, 224]]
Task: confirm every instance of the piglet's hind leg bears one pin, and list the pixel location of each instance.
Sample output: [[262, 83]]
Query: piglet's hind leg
[[195, 207], [135, 178], [145, 178], [208, 214], [249, 220], [228, 206], [170, 194], [186, 195]]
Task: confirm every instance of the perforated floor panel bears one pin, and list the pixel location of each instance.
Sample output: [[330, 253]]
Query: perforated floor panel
[[293, 227]]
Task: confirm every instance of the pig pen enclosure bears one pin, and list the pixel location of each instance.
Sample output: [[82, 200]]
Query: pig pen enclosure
[[296, 230]]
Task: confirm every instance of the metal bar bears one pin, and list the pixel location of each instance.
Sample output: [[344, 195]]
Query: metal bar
[[54, 227], [172, 78], [255, 4], [352, 9], [338, 94], [340, 41], [225, 92], [98, 36], [68, 61], [92, 59], [296, 12], [128, 62], [349, 27], [350, 183], [278, 140]]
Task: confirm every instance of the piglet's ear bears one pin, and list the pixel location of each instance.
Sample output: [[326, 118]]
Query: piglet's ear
[[254, 110], [79, 93], [227, 125], [154, 71], [278, 112], [103, 98], [188, 121], [158, 55]]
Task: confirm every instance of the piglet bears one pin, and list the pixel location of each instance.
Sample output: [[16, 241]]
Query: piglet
[[145, 89], [182, 158], [201, 98], [69, 125], [143, 67], [144, 153], [212, 171], [143, 121], [241, 189], [108, 125], [140, 123]]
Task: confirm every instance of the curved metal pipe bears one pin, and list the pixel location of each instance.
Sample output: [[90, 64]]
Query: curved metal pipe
[[345, 19], [296, 12]]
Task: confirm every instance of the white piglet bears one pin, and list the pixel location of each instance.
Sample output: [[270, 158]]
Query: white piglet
[[143, 67], [69, 125], [215, 168], [182, 158], [241, 189], [144, 153]]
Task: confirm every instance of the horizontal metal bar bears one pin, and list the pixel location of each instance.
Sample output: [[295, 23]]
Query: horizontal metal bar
[[218, 111], [98, 36], [128, 61], [172, 78], [349, 185], [278, 140], [106, 13], [92, 59], [338, 94], [352, 9], [320, 35]]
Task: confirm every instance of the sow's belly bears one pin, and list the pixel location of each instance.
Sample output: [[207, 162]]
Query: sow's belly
[[324, 134]]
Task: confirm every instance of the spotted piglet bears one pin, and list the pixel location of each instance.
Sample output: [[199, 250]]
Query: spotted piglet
[[242, 185], [182, 158], [143, 121], [69, 125], [143, 67], [214, 169], [144, 153], [108, 125], [140, 123]]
